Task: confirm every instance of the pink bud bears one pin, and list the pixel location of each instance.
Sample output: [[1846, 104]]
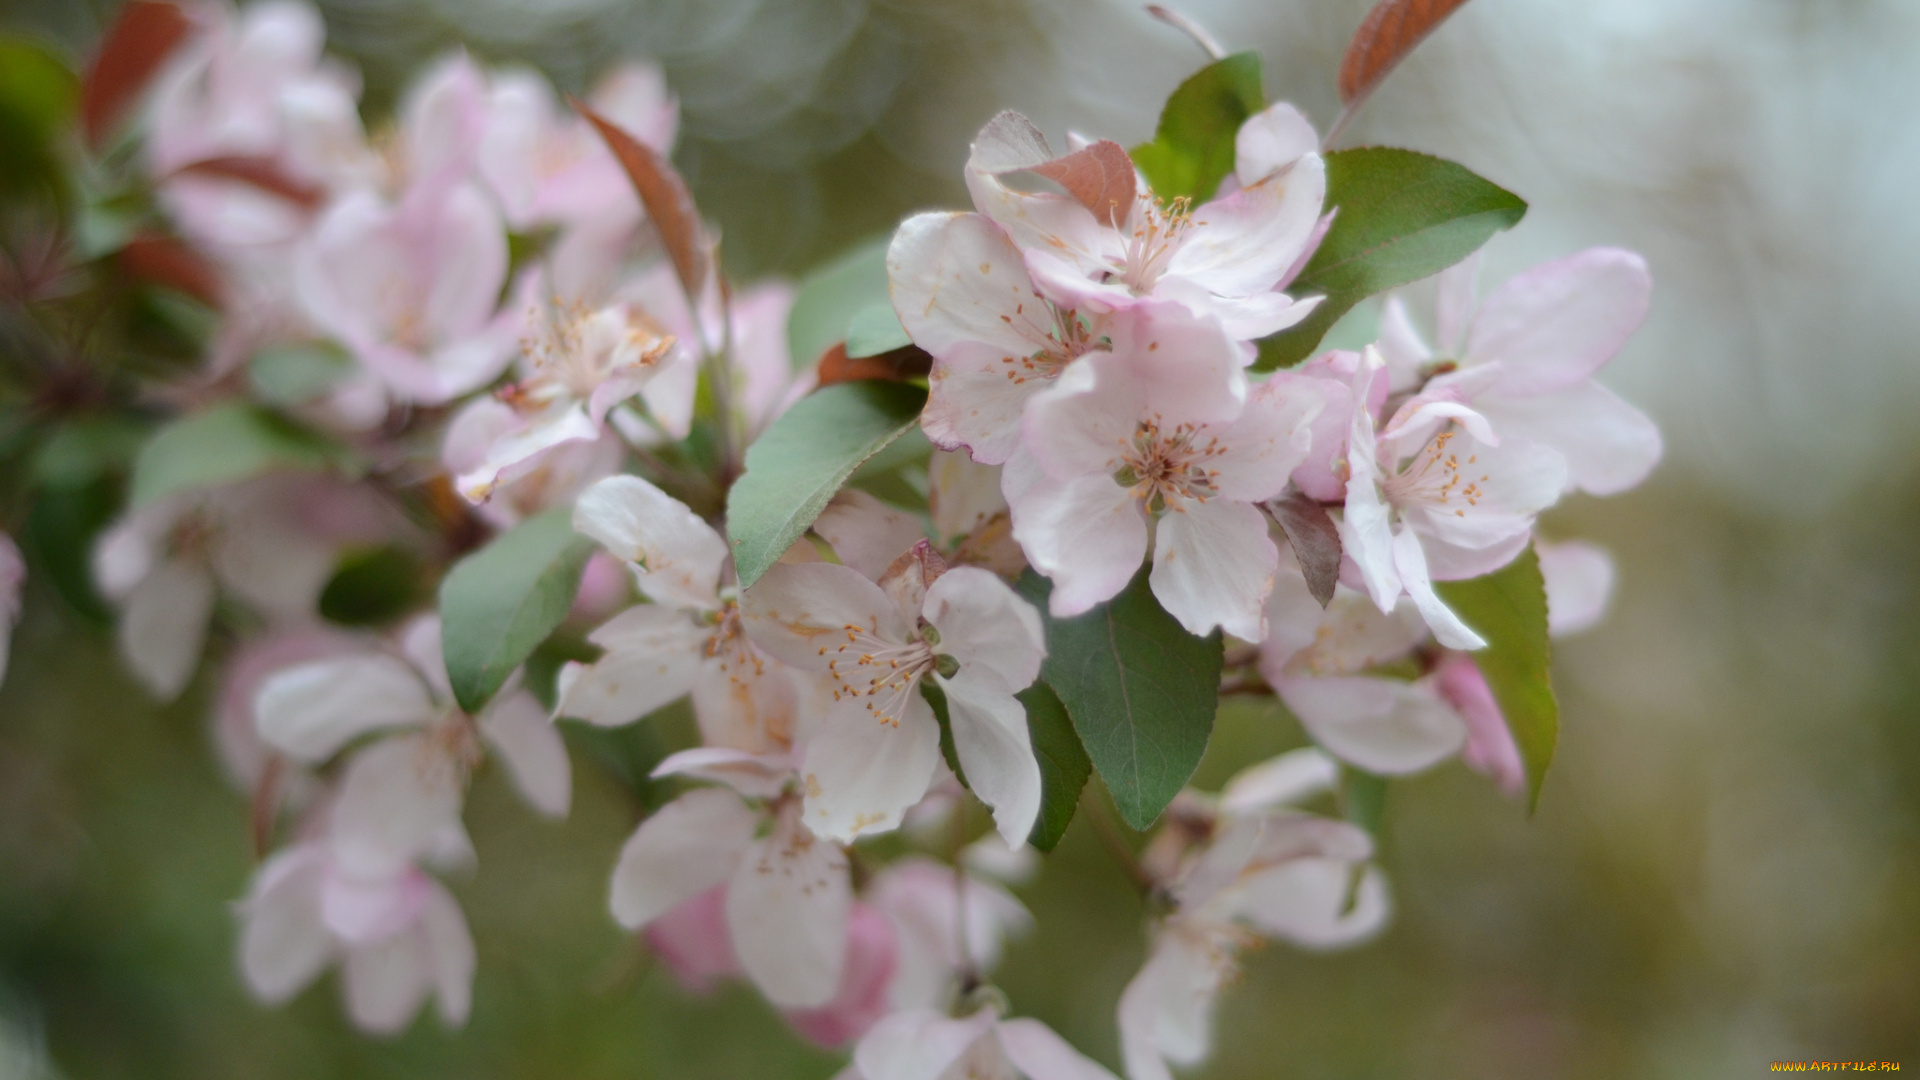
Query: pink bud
[[872, 956]]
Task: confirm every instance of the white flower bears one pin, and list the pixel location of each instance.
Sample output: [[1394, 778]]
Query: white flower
[[923, 1044]]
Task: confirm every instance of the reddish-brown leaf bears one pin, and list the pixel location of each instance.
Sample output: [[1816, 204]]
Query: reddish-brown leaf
[[669, 204], [262, 173], [1389, 33], [164, 260], [906, 362], [1315, 539], [1100, 176], [139, 41]]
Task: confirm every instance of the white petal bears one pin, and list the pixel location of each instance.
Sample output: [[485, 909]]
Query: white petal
[[1305, 902], [984, 624], [283, 943], [311, 710], [746, 700], [962, 494], [976, 399], [1036, 1051], [1366, 527], [1271, 140], [271, 560], [163, 624], [866, 533], [450, 955], [918, 1044], [1554, 325], [990, 738], [398, 798], [1271, 438], [1410, 562], [1292, 777], [652, 657], [1087, 534], [1213, 564], [958, 278], [787, 905], [1381, 725], [1579, 578], [386, 981], [1166, 1012], [800, 612], [534, 752], [862, 773], [687, 847], [680, 554], [1242, 243], [1609, 445], [757, 776], [1500, 491]]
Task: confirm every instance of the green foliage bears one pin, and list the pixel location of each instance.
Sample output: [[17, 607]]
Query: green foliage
[[1402, 216], [224, 445], [937, 698], [1064, 765], [373, 586], [85, 448], [1509, 608], [59, 537], [1363, 797], [830, 298], [1193, 147], [1140, 690], [296, 374], [875, 329], [37, 99], [800, 461], [499, 603]]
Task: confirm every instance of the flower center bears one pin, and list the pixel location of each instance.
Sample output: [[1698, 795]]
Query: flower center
[[577, 349], [883, 672], [1435, 477], [1066, 340], [1157, 231], [1165, 468]]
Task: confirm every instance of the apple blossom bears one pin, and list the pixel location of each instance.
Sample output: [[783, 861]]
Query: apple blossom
[[873, 752], [1139, 445], [927, 902], [1525, 358], [398, 937], [923, 1044]]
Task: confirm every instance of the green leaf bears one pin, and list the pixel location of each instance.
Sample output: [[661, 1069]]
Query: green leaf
[[937, 698], [800, 461], [831, 296], [1509, 608], [38, 96], [1064, 766], [296, 374], [60, 534], [84, 449], [875, 330], [1140, 690], [1192, 149], [502, 601], [372, 586], [1363, 797], [224, 445], [1402, 216]]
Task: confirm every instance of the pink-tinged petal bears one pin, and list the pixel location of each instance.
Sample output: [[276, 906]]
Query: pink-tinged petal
[[1312, 903], [1451, 562], [1057, 224], [351, 270], [747, 701], [1286, 780], [440, 121], [1490, 747], [1410, 562], [1085, 422], [473, 431], [962, 494], [272, 560], [693, 941], [512, 453], [1381, 725], [990, 738], [360, 910], [243, 752], [386, 982], [283, 943], [984, 624], [787, 907], [1555, 325], [129, 549], [309, 711], [398, 799], [1453, 304], [976, 399], [1495, 495], [1271, 140], [635, 96], [679, 556], [1348, 636], [1213, 564], [1241, 244], [1087, 534], [688, 846], [861, 998], [1166, 1011], [1243, 318], [757, 776], [765, 383], [1260, 450], [800, 613], [1034, 1049], [1189, 369], [866, 533], [468, 263], [958, 279], [518, 729], [520, 118], [450, 954], [1400, 344], [1579, 578], [669, 394], [918, 1044], [923, 899], [163, 624], [1366, 526], [421, 644], [862, 773], [1609, 445]]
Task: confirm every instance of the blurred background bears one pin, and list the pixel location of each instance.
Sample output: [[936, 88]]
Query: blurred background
[[1725, 866]]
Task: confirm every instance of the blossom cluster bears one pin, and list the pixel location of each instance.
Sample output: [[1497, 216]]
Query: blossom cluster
[[439, 334]]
